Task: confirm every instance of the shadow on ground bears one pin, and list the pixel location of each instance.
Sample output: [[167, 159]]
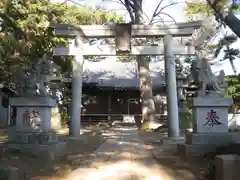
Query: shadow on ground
[[39, 168], [167, 156], [81, 159]]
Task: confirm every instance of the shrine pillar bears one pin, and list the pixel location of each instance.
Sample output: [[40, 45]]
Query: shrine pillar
[[75, 123], [170, 79]]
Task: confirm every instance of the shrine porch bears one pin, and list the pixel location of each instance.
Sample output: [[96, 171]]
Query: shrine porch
[[109, 104]]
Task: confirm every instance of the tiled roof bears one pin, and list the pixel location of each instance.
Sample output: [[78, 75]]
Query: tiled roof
[[112, 72]]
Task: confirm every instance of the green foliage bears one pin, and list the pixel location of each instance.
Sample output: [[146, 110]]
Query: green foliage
[[25, 34], [194, 7], [226, 41], [229, 53], [64, 115], [198, 7], [236, 8], [234, 88]]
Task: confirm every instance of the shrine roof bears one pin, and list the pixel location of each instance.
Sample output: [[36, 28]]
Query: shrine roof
[[115, 73]]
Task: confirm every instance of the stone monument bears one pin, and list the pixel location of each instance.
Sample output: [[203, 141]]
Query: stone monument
[[33, 131], [209, 113]]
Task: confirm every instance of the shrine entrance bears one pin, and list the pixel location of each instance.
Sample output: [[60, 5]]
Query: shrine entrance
[[123, 34]]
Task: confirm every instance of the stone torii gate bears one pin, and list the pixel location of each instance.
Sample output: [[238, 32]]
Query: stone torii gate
[[126, 32]]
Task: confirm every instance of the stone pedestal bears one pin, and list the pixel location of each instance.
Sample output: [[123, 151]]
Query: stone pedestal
[[210, 126], [33, 132], [210, 114]]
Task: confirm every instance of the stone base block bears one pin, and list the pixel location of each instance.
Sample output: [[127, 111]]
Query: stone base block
[[198, 144], [208, 138], [196, 150], [212, 138], [227, 167], [79, 139], [47, 151], [19, 137], [172, 140]]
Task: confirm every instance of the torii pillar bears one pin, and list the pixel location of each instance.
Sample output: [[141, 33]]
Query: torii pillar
[[75, 123], [170, 79]]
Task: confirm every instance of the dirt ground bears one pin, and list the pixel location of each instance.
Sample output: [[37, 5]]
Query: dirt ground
[[80, 154], [167, 156]]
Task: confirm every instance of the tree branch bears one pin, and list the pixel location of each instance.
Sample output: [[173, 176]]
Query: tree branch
[[116, 1], [74, 2], [158, 12], [155, 12], [164, 7], [227, 17], [168, 16], [136, 7], [130, 11], [155, 20]]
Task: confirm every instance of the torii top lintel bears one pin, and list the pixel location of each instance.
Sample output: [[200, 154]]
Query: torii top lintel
[[108, 31]]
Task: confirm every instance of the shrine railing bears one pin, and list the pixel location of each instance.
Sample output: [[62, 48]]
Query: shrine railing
[[98, 118]]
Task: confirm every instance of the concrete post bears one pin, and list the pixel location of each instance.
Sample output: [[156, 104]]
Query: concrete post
[[172, 102], [109, 108], [75, 123], [9, 115]]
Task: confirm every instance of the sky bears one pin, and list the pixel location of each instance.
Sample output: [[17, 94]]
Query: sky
[[115, 6], [176, 11]]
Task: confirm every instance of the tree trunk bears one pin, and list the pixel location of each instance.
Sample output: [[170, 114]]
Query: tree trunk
[[148, 106], [145, 84], [228, 18], [233, 67]]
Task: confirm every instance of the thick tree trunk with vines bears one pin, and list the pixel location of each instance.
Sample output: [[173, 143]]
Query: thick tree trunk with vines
[[226, 16], [148, 106], [145, 84]]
